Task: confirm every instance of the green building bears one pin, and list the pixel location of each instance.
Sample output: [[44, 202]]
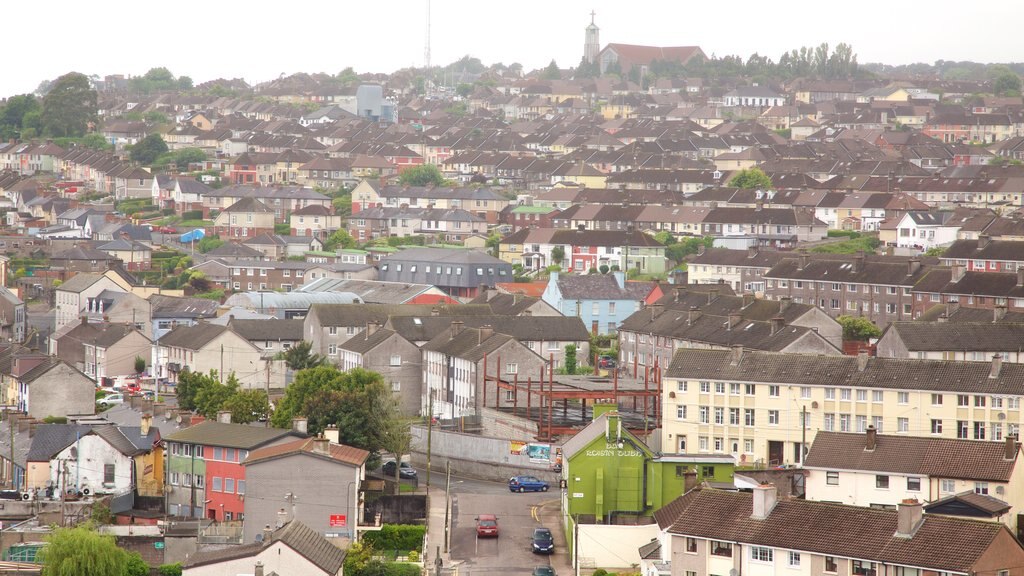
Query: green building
[[612, 477]]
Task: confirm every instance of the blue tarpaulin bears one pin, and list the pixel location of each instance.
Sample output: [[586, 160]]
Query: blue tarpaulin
[[193, 235]]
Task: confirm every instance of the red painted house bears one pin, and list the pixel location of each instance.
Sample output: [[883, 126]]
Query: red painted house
[[985, 255]]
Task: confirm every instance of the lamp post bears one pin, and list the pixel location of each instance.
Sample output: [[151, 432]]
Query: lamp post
[[353, 513]]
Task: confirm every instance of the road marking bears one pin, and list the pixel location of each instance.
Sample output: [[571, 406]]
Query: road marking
[[533, 513]]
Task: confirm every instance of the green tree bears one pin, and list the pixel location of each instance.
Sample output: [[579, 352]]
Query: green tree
[[1006, 84], [247, 406], [209, 243], [69, 106], [301, 356], [135, 565], [140, 364], [750, 179], [148, 149], [339, 239], [395, 435], [858, 328], [81, 550], [13, 115], [551, 72], [343, 204], [570, 359], [190, 384], [493, 243], [306, 383], [558, 255], [422, 175]]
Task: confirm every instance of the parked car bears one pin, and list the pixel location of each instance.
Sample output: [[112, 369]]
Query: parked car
[[166, 229], [606, 361], [487, 526], [527, 484], [404, 470], [543, 541], [111, 400], [543, 571]]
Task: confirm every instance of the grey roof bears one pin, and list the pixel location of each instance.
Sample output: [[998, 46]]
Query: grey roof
[[600, 287], [234, 250], [82, 253], [270, 329], [370, 291], [79, 282], [128, 440], [522, 328], [470, 344], [365, 342], [1004, 250], [50, 439], [192, 337], [122, 245], [210, 433], [289, 300], [249, 205], [361, 314], [813, 370], [444, 255], [938, 336], [307, 542], [181, 307]]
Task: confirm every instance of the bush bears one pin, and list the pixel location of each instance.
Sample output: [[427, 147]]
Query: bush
[[402, 569], [192, 215], [843, 234], [396, 537], [55, 420], [170, 569]]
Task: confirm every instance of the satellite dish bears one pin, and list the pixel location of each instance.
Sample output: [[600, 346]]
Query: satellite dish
[[733, 572], [74, 452]]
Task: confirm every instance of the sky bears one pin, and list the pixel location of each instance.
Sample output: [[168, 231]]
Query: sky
[[260, 41]]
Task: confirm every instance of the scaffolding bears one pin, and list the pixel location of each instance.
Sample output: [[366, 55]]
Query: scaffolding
[[540, 394]]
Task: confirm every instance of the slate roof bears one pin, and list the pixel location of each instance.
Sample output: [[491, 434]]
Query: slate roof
[[192, 337], [940, 543], [522, 328], [812, 370], [210, 433], [506, 304], [50, 439], [363, 343], [935, 457], [1006, 250], [469, 344], [843, 270], [989, 504], [234, 250], [361, 314], [174, 307], [270, 329], [956, 313], [249, 204], [715, 329], [601, 287], [965, 336], [339, 452], [304, 540], [80, 282], [128, 440], [747, 258]]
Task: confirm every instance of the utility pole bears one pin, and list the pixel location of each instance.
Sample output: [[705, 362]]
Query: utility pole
[[221, 374], [803, 434], [447, 504], [430, 428]]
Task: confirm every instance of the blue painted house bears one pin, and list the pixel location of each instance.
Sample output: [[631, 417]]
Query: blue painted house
[[602, 301]]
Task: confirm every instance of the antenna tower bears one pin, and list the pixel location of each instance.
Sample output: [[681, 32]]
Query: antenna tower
[[426, 49]]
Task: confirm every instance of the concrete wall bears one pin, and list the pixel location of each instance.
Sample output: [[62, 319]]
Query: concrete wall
[[476, 456], [608, 547], [397, 508]]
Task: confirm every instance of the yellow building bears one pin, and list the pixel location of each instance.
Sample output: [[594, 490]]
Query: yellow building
[[764, 407]]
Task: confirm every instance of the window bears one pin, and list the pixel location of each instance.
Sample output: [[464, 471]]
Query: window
[[512, 368], [948, 486], [174, 479], [186, 480], [702, 443], [936, 426], [903, 397], [229, 485], [719, 416], [721, 548], [749, 389], [831, 565], [396, 360], [862, 423], [199, 481], [773, 417], [914, 484], [877, 395], [981, 487], [963, 400], [218, 484], [680, 386], [773, 391], [703, 414], [794, 559], [332, 331], [719, 387], [845, 394], [936, 399], [748, 446], [705, 387], [844, 422], [903, 424], [734, 388], [734, 416], [691, 545], [108, 473], [805, 392], [681, 412], [748, 417], [829, 423], [863, 568], [979, 401], [332, 349], [832, 478], [862, 395], [962, 427], [761, 554], [830, 393], [979, 430]]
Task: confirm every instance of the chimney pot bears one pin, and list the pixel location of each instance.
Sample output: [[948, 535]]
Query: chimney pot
[[1010, 447], [332, 434], [145, 423], [778, 323], [997, 366], [456, 328], [689, 480], [871, 442], [300, 424], [224, 417], [862, 360], [737, 354], [999, 312], [321, 445]]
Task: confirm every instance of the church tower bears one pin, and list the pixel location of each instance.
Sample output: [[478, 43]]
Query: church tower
[[591, 44]]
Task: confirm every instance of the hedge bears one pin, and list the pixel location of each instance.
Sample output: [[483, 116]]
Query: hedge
[[396, 537], [402, 569]]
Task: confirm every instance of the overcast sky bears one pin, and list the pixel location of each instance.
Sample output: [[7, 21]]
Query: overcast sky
[[259, 41]]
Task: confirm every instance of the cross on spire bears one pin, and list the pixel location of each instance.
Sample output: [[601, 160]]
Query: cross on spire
[[592, 14]]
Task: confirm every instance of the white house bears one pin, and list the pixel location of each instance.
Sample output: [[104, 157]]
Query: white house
[[102, 460], [753, 96], [925, 230]]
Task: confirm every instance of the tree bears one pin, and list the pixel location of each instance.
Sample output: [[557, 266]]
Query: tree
[[140, 364], [148, 149], [212, 395], [209, 243], [69, 107], [558, 254], [135, 565], [301, 357], [551, 72], [81, 550], [858, 328], [395, 436], [422, 175], [339, 239], [189, 385], [570, 359], [13, 115], [750, 179], [1007, 84], [247, 406]]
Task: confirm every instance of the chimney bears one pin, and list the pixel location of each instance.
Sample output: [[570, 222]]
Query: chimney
[[282, 517], [909, 518], [689, 480], [765, 498], [321, 445], [258, 570], [983, 241], [734, 319], [224, 417], [434, 311], [656, 310], [332, 434], [371, 327], [712, 295], [300, 424], [748, 299], [997, 366], [758, 206], [872, 439], [999, 312], [456, 328], [778, 323], [942, 318], [737, 354], [858, 261], [805, 259], [956, 272], [679, 291], [692, 315], [700, 249], [1010, 447], [144, 424], [751, 251], [267, 533], [913, 265], [951, 307], [485, 332], [862, 359]]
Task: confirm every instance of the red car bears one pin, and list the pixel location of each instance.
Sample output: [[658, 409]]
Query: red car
[[487, 526], [166, 230]]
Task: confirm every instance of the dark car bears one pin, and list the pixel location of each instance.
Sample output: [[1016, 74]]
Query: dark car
[[543, 571], [606, 361], [404, 470], [527, 484], [543, 541]]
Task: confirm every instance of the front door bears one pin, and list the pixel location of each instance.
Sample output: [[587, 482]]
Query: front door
[[775, 452]]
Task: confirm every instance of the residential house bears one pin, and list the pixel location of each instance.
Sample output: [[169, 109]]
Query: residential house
[[101, 351], [459, 273], [166, 312], [103, 460], [582, 250], [986, 290], [743, 270], [483, 202], [781, 227], [272, 335], [926, 230], [13, 316], [314, 221], [454, 363], [292, 548], [709, 531], [246, 218], [331, 482], [207, 347], [985, 254], [46, 386], [82, 259], [753, 96], [963, 341], [601, 301], [132, 254], [389, 353], [205, 467], [515, 304], [764, 394], [262, 275], [882, 470]]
